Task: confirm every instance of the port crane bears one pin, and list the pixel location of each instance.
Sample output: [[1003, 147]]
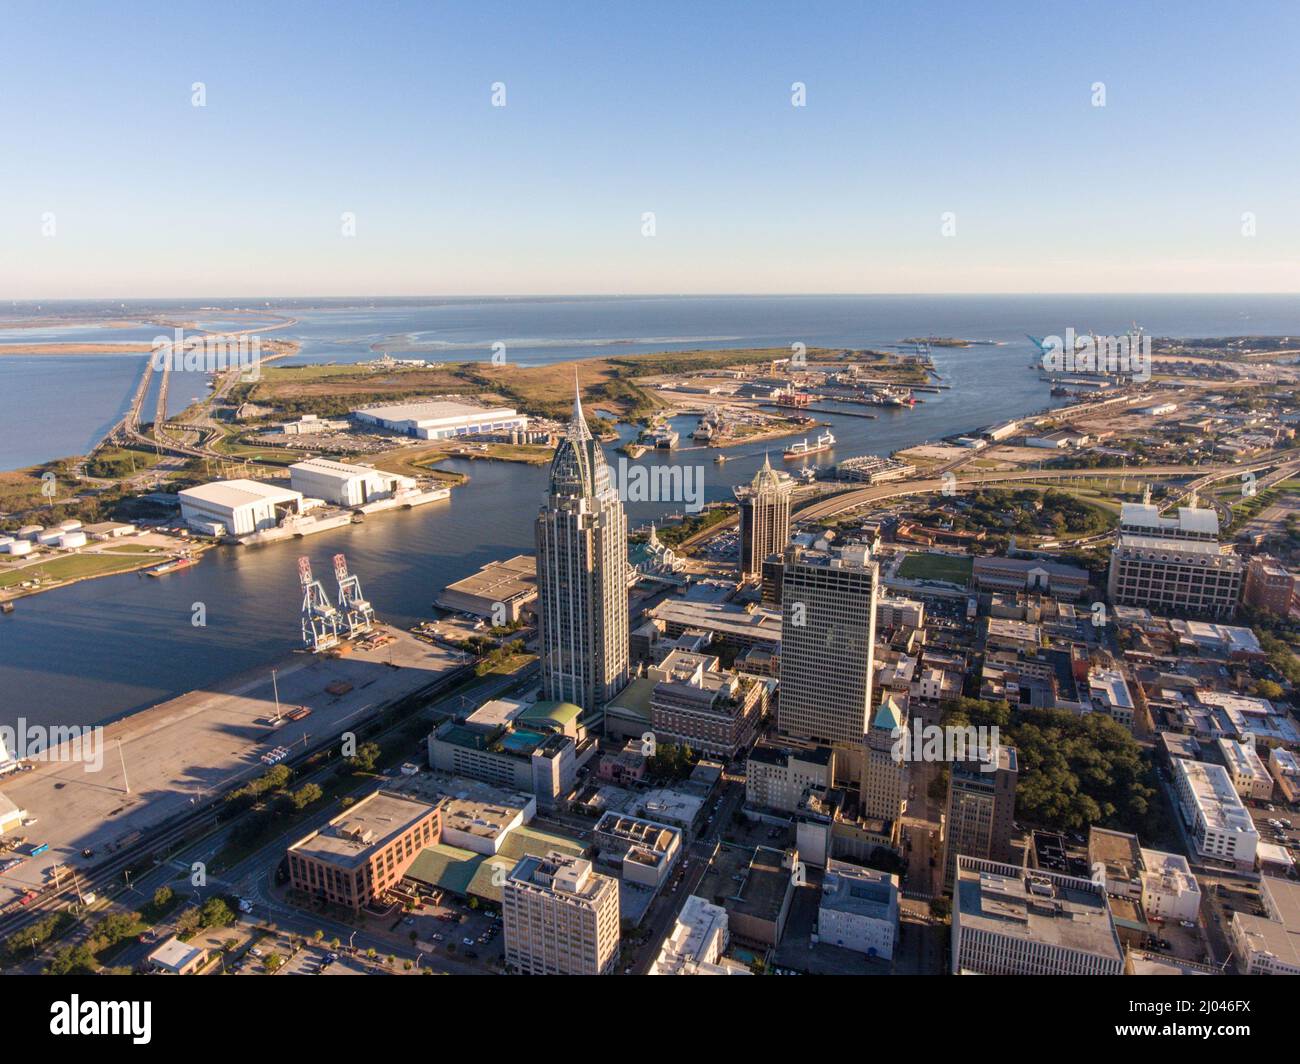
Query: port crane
[[320, 618], [355, 611]]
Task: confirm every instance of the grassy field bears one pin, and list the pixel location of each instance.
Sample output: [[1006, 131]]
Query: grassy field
[[936, 567], [416, 462], [69, 567], [545, 391]]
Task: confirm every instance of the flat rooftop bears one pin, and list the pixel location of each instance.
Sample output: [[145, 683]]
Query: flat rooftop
[[496, 713], [1242, 760], [1279, 936], [429, 410], [1207, 548], [646, 833], [500, 581], [860, 891], [727, 619], [235, 493], [1117, 850], [328, 465], [764, 888], [175, 954], [1196, 521], [180, 750], [485, 820], [1041, 907], [781, 756], [1215, 797], [561, 873], [351, 837]]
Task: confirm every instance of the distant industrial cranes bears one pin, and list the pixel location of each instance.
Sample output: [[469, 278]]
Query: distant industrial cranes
[[320, 618], [325, 624], [356, 612]]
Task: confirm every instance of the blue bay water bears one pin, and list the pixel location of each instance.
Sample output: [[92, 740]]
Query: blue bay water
[[106, 647]]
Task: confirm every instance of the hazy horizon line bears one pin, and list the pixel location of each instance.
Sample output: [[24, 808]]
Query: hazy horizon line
[[651, 295]]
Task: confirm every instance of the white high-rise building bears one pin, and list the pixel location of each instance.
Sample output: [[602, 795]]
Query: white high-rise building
[[560, 917], [582, 572], [1173, 563]]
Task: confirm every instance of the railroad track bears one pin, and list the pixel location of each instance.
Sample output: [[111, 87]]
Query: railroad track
[[156, 842]]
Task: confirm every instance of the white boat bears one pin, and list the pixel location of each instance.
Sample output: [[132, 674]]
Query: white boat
[[825, 441]]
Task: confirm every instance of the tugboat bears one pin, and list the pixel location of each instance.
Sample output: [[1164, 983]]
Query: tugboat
[[802, 449]]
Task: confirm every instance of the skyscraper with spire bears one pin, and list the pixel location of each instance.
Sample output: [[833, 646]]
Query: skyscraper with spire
[[582, 571], [764, 517]]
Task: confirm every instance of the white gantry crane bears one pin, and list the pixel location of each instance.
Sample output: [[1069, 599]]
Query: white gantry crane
[[356, 613], [320, 619]]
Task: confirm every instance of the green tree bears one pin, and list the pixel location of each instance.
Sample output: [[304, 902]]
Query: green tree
[[188, 922], [365, 758], [1269, 689], [216, 913], [73, 960], [305, 795]]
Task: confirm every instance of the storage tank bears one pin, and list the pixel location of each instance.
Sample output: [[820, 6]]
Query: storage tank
[[20, 546], [73, 538], [69, 526], [50, 538]]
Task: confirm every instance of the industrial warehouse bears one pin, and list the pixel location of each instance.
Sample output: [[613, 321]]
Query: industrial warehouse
[[441, 419], [345, 485], [322, 494]]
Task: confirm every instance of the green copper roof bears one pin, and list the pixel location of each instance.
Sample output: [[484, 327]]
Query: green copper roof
[[559, 712], [887, 716]]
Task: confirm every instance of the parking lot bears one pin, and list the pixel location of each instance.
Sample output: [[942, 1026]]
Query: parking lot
[[1279, 825], [454, 929]]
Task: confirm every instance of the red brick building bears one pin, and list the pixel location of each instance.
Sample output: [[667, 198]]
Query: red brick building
[[365, 850]]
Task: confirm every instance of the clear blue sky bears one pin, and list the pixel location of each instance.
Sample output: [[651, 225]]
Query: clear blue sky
[[384, 109]]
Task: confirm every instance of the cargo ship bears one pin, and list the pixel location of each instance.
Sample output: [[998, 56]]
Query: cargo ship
[[802, 449], [183, 562], [895, 397]]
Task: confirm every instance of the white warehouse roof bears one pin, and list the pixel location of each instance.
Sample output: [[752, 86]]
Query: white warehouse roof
[[236, 493], [330, 468], [432, 411]]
